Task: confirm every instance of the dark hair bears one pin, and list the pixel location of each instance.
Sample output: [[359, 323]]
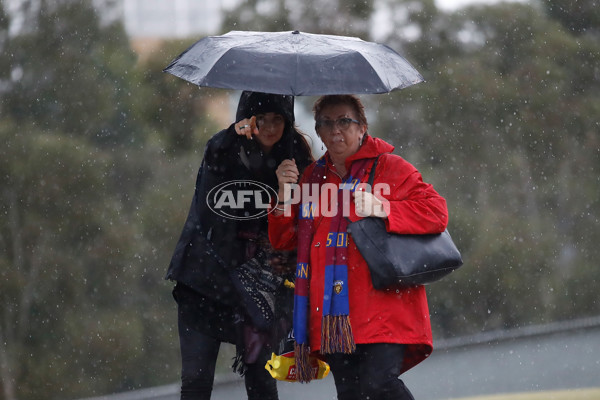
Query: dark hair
[[335, 99], [252, 103]]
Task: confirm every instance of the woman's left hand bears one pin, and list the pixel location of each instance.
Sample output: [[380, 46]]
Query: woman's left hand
[[368, 205]]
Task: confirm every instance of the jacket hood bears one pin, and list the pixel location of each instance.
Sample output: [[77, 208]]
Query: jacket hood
[[252, 103], [371, 148]]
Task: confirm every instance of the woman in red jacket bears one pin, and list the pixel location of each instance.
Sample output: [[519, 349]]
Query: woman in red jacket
[[369, 337]]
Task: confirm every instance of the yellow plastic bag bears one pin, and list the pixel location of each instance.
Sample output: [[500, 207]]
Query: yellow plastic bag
[[283, 367]]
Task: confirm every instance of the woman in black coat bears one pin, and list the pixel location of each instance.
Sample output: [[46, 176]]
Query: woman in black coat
[[221, 238]]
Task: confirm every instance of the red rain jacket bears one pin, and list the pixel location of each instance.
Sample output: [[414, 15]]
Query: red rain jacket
[[391, 316]]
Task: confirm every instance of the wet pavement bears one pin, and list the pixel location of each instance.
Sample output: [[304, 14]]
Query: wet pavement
[[551, 357]]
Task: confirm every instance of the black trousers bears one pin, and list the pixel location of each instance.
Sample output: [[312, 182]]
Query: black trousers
[[371, 372], [199, 353]]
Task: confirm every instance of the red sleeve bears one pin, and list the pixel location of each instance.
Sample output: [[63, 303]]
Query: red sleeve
[[282, 231], [282, 228], [415, 207]]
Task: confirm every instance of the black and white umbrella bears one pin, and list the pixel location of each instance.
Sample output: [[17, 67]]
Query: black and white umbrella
[[294, 63]]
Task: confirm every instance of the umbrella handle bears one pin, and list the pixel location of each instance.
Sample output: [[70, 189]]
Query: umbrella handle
[[291, 147]]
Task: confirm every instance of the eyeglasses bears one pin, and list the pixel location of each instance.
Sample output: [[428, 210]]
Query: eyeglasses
[[327, 125]]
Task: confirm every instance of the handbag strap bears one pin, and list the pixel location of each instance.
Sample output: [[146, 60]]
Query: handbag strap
[[371, 178], [372, 172]]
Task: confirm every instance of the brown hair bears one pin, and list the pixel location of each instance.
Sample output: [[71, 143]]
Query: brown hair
[[335, 99]]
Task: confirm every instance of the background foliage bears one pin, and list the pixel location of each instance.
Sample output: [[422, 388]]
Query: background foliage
[[100, 151]]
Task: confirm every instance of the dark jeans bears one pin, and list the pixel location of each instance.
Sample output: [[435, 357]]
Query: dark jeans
[[372, 372], [198, 358]]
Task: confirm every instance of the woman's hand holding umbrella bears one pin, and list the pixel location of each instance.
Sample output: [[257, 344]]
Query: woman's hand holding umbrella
[[287, 174]]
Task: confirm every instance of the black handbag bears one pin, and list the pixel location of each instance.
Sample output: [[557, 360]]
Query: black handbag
[[257, 286], [396, 260]]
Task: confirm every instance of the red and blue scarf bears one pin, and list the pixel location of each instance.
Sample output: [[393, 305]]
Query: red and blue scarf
[[336, 330]]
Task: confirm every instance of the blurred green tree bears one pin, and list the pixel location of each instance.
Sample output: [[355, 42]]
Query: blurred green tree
[[174, 111], [64, 267], [74, 165], [73, 73], [348, 17], [579, 16]]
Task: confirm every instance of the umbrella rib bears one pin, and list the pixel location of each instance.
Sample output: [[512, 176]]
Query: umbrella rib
[[294, 89]]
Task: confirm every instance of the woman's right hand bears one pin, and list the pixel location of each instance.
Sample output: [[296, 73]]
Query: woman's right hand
[[246, 127], [287, 173]]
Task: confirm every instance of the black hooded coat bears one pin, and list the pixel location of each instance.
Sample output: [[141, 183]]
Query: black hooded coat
[[210, 243]]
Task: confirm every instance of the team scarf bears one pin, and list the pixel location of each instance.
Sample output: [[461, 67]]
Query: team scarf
[[336, 331]]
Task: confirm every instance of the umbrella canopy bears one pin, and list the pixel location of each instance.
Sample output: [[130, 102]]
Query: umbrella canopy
[[294, 63]]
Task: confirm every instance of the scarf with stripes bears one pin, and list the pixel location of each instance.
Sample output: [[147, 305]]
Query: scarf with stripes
[[336, 330]]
